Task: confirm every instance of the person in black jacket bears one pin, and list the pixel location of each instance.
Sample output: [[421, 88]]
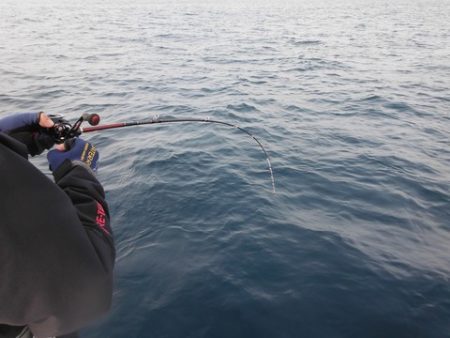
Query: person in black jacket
[[56, 246]]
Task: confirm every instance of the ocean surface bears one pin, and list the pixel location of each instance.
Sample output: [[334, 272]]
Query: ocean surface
[[350, 98]]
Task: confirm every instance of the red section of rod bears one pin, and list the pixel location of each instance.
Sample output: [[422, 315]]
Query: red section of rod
[[104, 126]]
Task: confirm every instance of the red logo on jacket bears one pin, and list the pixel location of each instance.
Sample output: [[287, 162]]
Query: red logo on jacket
[[101, 218]]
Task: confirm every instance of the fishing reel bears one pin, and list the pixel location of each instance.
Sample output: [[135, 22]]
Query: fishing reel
[[63, 130]]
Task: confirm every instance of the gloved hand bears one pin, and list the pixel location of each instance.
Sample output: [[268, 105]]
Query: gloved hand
[[76, 150], [32, 129]]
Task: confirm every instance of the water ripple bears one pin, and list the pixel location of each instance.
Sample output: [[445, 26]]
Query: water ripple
[[351, 102]]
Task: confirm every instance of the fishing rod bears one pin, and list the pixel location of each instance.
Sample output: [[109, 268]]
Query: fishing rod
[[63, 130]]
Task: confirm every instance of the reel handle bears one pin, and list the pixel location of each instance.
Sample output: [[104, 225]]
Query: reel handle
[[93, 119], [63, 130]]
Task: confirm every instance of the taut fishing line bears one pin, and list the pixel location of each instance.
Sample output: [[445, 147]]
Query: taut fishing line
[[63, 130]]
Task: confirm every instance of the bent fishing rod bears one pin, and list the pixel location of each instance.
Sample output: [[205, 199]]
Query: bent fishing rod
[[63, 130]]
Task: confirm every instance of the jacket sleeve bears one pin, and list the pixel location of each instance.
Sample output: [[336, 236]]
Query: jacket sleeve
[[57, 251], [88, 198]]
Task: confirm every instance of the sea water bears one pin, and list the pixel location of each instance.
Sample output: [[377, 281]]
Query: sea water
[[351, 100]]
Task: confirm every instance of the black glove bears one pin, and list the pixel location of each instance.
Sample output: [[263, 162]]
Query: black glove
[[32, 129]]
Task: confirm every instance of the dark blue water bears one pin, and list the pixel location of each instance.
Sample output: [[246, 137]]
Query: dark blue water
[[351, 100]]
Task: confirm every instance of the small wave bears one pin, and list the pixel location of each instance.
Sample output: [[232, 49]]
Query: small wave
[[399, 106], [243, 107], [305, 42]]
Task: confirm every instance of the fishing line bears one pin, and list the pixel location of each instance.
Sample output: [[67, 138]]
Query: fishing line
[[65, 131]]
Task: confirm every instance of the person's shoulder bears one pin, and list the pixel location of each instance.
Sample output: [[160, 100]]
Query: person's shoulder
[[12, 144]]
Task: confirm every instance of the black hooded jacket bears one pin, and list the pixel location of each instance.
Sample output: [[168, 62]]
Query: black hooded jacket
[[56, 246]]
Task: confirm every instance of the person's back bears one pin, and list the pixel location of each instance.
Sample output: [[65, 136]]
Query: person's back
[[56, 247]]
